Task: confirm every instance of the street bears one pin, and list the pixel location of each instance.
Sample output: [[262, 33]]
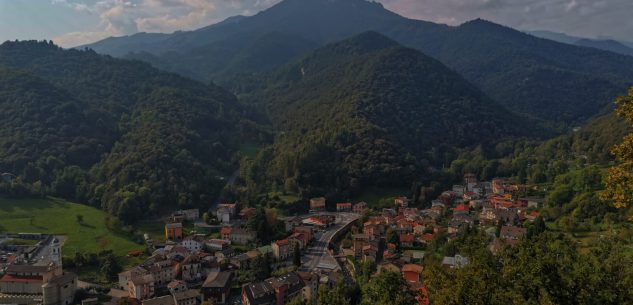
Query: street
[[317, 255]]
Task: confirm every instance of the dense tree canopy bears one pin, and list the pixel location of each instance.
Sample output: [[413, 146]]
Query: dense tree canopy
[[619, 181], [112, 133]]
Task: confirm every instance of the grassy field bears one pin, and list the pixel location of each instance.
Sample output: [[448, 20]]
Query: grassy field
[[57, 216]]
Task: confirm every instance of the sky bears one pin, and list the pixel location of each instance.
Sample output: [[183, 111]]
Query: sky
[[75, 22]]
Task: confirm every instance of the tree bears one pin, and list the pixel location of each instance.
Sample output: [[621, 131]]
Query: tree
[[80, 218], [110, 266], [296, 258], [261, 267], [619, 180], [388, 288], [335, 296], [298, 300], [205, 217]]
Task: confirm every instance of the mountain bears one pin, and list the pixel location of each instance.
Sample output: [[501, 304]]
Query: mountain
[[369, 112], [625, 48], [607, 45], [114, 133], [542, 78]]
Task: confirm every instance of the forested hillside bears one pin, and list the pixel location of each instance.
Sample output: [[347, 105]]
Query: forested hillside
[[367, 111], [112, 133], [562, 83]]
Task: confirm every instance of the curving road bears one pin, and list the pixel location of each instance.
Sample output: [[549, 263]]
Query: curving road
[[317, 255]]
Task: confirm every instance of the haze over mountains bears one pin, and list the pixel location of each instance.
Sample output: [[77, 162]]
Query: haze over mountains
[[537, 77], [621, 47]]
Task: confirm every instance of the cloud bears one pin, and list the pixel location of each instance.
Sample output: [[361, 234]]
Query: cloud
[[124, 17], [588, 18]]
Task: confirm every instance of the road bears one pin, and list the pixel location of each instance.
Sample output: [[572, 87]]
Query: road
[[317, 255]]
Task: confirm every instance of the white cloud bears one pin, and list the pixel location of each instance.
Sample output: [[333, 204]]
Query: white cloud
[[590, 18], [124, 17]]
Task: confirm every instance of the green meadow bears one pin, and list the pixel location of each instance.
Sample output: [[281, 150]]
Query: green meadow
[[56, 216]]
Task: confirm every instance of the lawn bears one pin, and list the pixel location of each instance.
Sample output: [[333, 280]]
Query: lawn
[[56, 216]]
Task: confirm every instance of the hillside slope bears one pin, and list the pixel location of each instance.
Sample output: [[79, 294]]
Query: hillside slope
[[367, 111], [110, 132], [542, 78]]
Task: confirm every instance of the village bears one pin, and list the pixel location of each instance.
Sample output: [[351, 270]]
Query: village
[[320, 249]]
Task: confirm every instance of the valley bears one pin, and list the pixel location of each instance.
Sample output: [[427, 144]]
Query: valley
[[318, 152]]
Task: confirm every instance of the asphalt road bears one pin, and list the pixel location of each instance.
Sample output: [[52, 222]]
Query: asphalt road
[[317, 256]]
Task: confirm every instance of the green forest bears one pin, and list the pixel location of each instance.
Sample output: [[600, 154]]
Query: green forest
[[119, 135]]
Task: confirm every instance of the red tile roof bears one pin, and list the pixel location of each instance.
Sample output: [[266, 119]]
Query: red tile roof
[[21, 279], [406, 238], [412, 268], [282, 242], [226, 230], [461, 208]]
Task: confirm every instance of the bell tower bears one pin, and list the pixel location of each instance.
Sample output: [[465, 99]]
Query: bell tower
[[56, 252]]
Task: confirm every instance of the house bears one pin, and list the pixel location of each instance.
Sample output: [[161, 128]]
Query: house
[[307, 231], [244, 260], [246, 213], [456, 261], [470, 180], [273, 291], [311, 288], [225, 233], [7, 177], [282, 249], [173, 231], [344, 207], [412, 272], [127, 275], [191, 268], [406, 239], [224, 215], [292, 222], [360, 207], [532, 202], [142, 287], [242, 236], [216, 244], [459, 189], [192, 243], [46, 285], [317, 204], [230, 207], [189, 215], [359, 241], [300, 239], [512, 233], [163, 272], [176, 286], [188, 297], [461, 209], [258, 293], [401, 202], [217, 287]]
